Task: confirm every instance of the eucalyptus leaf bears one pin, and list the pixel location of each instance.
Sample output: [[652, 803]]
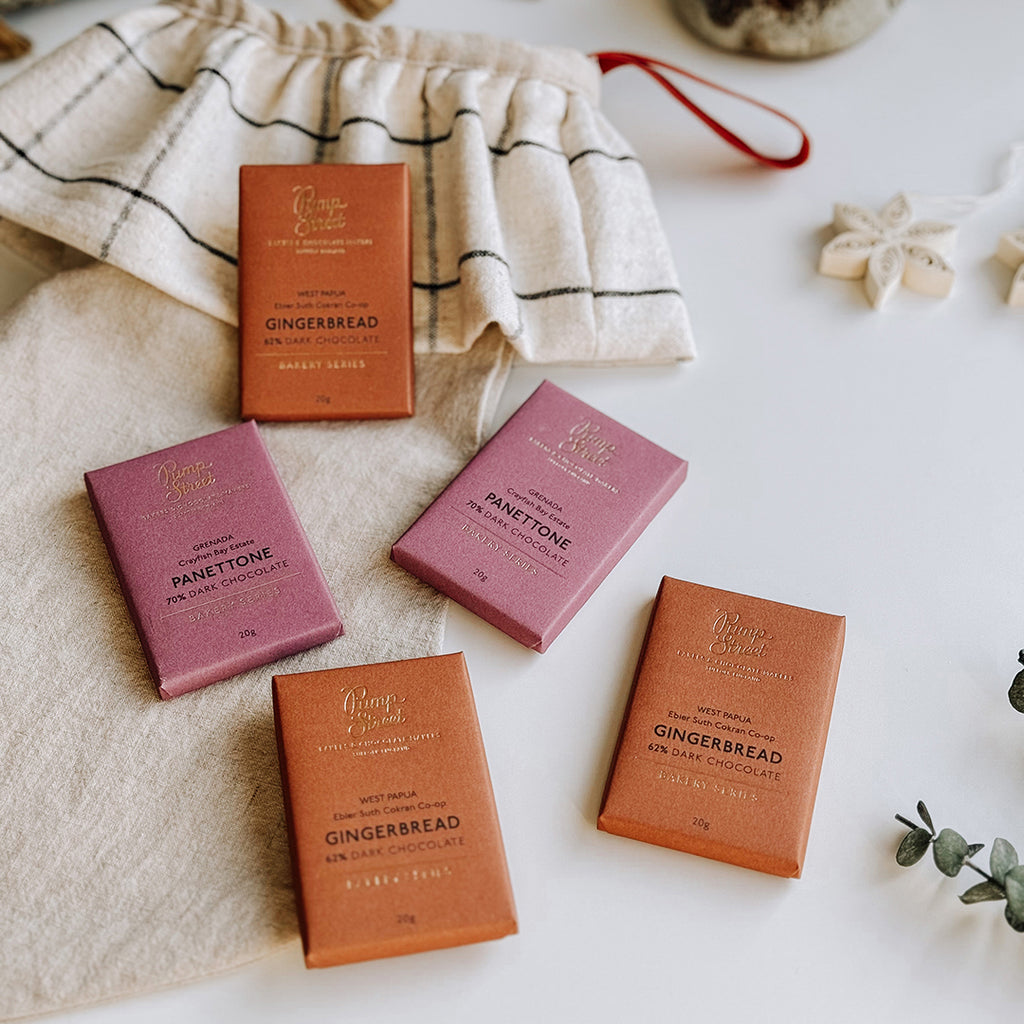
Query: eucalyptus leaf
[[1017, 873], [1003, 858], [1015, 922], [950, 851], [1014, 886], [974, 848], [983, 891], [923, 811], [914, 847]]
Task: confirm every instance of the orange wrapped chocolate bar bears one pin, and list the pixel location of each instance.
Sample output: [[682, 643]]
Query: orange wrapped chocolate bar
[[393, 832], [325, 292], [722, 743]]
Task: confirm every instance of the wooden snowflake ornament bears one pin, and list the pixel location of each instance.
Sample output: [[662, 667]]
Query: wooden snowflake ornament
[[887, 248], [1011, 252]]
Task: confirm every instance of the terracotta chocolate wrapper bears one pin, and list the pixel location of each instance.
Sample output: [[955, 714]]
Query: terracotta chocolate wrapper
[[722, 742], [393, 832], [214, 565], [325, 291], [540, 516]]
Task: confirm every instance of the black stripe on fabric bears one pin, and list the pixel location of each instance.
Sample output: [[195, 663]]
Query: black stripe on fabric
[[154, 77], [322, 136], [325, 108], [474, 254], [430, 200], [422, 141], [519, 143], [554, 293], [496, 169], [598, 293], [206, 69], [142, 197], [600, 152], [174, 135], [441, 286], [550, 293], [503, 136], [608, 293], [87, 90]]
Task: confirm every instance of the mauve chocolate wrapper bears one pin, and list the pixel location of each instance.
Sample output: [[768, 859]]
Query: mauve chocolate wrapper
[[217, 572], [540, 516]]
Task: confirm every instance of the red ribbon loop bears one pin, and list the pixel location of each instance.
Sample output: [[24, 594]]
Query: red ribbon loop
[[609, 60]]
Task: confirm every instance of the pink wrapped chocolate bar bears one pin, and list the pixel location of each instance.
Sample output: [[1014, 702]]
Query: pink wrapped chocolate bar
[[213, 562], [537, 519]]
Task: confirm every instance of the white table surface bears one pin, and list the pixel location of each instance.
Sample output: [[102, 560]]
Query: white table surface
[[848, 460]]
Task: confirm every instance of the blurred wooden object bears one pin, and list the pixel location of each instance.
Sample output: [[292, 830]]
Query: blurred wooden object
[[12, 44], [366, 9]]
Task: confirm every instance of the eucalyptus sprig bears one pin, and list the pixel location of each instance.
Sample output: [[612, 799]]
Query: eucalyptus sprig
[[1003, 881]]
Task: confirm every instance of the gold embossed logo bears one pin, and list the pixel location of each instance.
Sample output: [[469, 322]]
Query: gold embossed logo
[[734, 636], [178, 481], [585, 442], [371, 711], [315, 213]]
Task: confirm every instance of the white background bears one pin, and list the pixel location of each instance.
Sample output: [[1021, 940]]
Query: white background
[[857, 462]]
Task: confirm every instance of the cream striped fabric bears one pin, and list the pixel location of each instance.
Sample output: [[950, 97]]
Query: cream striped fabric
[[530, 211]]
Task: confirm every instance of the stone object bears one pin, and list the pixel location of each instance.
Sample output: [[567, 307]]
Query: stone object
[[783, 28]]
